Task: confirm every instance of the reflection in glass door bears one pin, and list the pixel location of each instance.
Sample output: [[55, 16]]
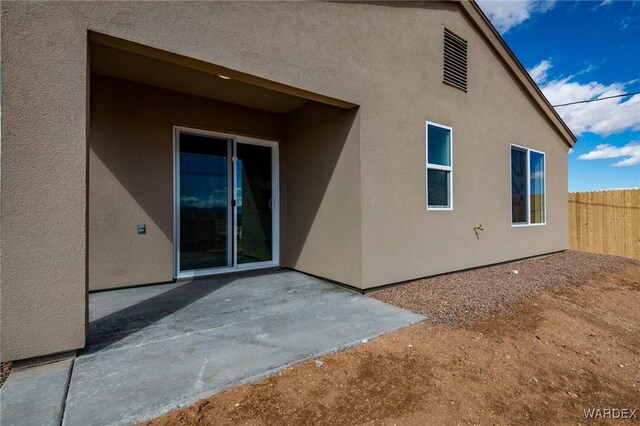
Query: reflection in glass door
[[254, 203], [204, 205], [226, 212]]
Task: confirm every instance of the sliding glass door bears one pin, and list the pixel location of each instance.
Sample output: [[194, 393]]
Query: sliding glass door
[[254, 195], [204, 202], [226, 203]]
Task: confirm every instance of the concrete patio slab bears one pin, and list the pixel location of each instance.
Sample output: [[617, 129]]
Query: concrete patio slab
[[35, 396], [152, 349]]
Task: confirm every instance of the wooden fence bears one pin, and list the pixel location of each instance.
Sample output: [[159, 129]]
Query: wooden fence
[[606, 222]]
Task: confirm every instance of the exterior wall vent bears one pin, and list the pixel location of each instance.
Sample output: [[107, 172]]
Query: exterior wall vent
[[455, 60]]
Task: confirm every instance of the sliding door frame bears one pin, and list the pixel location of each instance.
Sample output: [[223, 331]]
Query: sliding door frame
[[232, 212]]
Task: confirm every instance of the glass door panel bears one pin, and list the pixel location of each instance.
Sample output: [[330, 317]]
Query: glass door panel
[[254, 203], [204, 205]]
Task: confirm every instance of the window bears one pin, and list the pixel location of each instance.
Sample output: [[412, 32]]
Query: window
[[527, 186], [439, 167], [455, 60]]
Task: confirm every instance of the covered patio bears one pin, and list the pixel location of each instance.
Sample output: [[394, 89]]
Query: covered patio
[[153, 348], [197, 169]]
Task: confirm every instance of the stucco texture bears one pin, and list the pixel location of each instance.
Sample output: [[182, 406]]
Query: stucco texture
[[392, 69], [401, 239], [131, 173]]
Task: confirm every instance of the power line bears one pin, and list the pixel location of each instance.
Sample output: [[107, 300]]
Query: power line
[[594, 100]]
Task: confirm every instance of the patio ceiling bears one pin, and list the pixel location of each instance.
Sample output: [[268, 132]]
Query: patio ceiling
[[143, 64]]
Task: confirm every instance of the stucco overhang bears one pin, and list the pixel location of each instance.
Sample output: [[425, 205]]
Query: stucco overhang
[[115, 57]]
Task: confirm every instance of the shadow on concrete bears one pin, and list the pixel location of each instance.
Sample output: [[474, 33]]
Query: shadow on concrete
[[114, 327], [110, 329]]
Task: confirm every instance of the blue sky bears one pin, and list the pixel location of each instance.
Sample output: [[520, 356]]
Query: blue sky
[[577, 50]]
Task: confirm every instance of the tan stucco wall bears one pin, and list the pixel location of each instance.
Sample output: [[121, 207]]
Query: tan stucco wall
[[392, 69], [43, 186], [401, 239], [131, 178], [321, 203], [131, 173]]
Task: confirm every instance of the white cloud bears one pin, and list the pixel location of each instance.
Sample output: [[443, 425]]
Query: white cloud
[[209, 202], [570, 151], [507, 14], [604, 117], [189, 200], [631, 151], [539, 72], [604, 3], [565, 90], [623, 23]]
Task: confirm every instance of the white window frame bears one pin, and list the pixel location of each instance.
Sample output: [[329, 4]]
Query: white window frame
[[528, 168], [449, 169], [232, 229]]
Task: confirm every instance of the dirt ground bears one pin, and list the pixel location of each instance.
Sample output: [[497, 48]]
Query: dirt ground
[[542, 358]]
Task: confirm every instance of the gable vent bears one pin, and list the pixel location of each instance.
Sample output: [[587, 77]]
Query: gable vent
[[455, 60]]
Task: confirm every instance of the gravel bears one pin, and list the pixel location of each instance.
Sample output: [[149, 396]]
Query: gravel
[[457, 298], [5, 368]]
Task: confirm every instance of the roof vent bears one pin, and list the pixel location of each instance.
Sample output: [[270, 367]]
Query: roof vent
[[455, 60]]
